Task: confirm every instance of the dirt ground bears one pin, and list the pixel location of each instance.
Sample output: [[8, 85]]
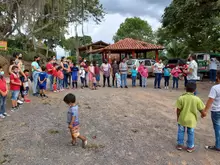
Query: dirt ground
[[132, 126]]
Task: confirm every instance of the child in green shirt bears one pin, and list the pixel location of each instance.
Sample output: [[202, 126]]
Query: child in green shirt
[[187, 106]]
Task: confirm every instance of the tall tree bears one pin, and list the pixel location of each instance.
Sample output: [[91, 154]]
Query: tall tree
[[135, 28], [194, 23]]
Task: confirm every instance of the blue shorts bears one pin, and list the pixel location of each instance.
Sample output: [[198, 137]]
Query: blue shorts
[[42, 86], [14, 94], [74, 78], [97, 77]]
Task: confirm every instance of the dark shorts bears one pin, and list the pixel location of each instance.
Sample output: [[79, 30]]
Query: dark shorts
[[74, 78], [42, 87]]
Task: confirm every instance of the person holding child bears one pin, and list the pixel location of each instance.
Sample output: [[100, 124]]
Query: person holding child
[[175, 73], [73, 119], [187, 106], [213, 103], [3, 95]]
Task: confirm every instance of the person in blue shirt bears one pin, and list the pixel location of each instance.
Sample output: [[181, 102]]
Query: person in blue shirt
[[75, 71], [166, 72], [134, 76], [73, 119], [42, 81]]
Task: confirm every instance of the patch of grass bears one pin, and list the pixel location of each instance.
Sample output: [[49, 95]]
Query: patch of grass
[[53, 131], [3, 161]]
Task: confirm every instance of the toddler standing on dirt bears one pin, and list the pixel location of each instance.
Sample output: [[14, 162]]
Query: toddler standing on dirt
[[82, 74], [118, 79], [73, 119], [144, 76], [187, 106], [25, 86]]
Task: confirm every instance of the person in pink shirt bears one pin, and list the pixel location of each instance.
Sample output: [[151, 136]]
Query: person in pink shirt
[[176, 73], [140, 68], [144, 76]]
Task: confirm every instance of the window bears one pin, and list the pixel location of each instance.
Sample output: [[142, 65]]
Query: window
[[147, 63], [130, 62], [200, 57]]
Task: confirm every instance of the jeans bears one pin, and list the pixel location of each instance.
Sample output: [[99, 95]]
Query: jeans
[[2, 104], [166, 81], [82, 81], [35, 76], [65, 81], [134, 80], [190, 134], [51, 78], [140, 81], [123, 80], [212, 75], [157, 80], [175, 82], [185, 81], [144, 82], [106, 78], [216, 124], [85, 79], [114, 81], [59, 84]]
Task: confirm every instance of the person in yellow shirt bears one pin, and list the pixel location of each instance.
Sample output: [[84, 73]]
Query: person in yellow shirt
[[187, 106]]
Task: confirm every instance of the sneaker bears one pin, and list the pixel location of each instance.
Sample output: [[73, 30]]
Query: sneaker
[[190, 150], [55, 91], [27, 101], [2, 116], [6, 115], [179, 147], [13, 109], [84, 144], [213, 148], [19, 102]]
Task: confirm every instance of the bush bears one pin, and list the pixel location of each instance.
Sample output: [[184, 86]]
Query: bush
[[72, 58]]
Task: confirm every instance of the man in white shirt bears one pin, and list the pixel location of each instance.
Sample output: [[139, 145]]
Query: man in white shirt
[[213, 103], [192, 70], [213, 70], [158, 70]]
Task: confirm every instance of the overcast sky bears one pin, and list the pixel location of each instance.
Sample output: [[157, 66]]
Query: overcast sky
[[118, 11]]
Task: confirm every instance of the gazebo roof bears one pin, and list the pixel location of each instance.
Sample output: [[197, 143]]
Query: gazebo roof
[[131, 44], [98, 44]]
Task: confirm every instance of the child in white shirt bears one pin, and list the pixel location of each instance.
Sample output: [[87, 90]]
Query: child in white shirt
[[82, 74]]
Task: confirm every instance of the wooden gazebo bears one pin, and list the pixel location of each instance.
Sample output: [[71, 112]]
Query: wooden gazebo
[[129, 46]]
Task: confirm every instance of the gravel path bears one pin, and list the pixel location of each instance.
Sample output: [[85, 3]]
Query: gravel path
[[132, 126]]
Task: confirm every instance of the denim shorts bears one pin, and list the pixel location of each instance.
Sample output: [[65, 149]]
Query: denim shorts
[[14, 94]]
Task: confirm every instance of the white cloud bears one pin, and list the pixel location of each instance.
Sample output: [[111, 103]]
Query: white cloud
[[106, 29]]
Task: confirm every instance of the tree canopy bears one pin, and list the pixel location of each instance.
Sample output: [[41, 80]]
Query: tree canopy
[[45, 19], [135, 28], [194, 23]]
